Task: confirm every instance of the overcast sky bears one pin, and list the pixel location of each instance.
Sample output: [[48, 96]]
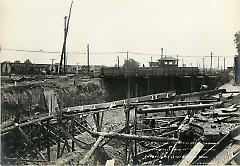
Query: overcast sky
[[183, 27]]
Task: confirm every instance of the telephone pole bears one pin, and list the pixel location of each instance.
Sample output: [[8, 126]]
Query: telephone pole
[[127, 58], [218, 62], [77, 68], [52, 64], [118, 61], [161, 53], [203, 63], [211, 62], [224, 64], [88, 63]]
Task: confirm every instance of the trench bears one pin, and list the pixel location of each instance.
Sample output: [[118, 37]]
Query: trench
[[26, 100]]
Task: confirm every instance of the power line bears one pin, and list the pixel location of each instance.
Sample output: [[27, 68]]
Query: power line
[[114, 52]]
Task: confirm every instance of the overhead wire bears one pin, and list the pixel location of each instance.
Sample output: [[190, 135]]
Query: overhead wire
[[114, 52]]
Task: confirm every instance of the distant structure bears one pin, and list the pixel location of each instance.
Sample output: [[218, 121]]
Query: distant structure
[[237, 69], [29, 68], [165, 62]]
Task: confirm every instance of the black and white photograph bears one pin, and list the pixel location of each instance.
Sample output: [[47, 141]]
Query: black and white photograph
[[120, 82]]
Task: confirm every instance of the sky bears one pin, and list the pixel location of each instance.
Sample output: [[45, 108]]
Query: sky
[[191, 29]]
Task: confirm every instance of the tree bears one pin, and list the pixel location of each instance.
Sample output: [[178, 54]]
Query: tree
[[27, 61], [237, 41], [131, 63]]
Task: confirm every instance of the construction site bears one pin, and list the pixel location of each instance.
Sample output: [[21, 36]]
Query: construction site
[[161, 114], [55, 122]]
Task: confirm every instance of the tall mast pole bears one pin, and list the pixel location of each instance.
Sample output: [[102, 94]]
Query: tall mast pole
[[63, 53]]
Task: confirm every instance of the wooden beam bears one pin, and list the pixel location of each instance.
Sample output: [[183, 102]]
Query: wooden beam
[[160, 128], [192, 154], [144, 153], [119, 103], [177, 108], [91, 151], [195, 94], [173, 102], [43, 118], [134, 137], [110, 162]]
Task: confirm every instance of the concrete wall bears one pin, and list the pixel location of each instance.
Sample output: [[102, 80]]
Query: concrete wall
[[116, 87]]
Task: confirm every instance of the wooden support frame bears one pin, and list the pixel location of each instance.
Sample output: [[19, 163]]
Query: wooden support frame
[[29, 141], [68, 135]]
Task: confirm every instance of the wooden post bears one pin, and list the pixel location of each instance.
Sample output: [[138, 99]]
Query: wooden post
[[73, 130], [39, 137], [127, 111], [96, 118], [135, 161], [58, 145], [101, 121], [91, 151], [48, 142], [192, 154]]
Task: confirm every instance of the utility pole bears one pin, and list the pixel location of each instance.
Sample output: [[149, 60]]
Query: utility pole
[[127, 59], [203, 63], [177, 60], [151, 65], [218, 62], [52, 64], [161, 53], [211, 62], [118, 61], [224, 64], [88, 63], [77, 68]]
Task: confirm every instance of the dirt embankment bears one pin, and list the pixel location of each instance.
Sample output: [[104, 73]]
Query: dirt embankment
[[27, 98]]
